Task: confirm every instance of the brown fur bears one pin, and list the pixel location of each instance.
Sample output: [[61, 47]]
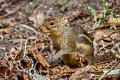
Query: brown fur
[[71, 42]]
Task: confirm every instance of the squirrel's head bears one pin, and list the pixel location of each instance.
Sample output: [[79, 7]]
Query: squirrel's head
[[54, 26]]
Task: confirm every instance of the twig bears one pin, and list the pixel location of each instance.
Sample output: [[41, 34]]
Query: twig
[[12, 12], [106, 46], [109, 70], [26, 45], [30, 28]]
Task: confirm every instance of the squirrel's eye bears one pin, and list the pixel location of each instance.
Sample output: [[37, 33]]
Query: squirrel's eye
[[52, 23]]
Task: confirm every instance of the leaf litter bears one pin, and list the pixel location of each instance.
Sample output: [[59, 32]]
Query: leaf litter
[[25, 49]]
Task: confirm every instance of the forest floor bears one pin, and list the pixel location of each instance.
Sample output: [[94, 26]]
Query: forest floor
[[24, 49]]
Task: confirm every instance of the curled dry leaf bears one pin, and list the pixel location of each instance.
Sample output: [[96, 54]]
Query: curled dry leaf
[[41, 59], [13, 54], [26, 63], [26, 76], [3, 68], [3, 63], [5, 31], [37, 18]]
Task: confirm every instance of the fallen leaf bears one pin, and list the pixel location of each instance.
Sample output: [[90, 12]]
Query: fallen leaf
[[37, 18], [41, 59], [3, 68]]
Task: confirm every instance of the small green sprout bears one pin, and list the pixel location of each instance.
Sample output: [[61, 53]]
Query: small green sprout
[[62, 2], [28, 11], [101, 75], [106, 5], [92, 11], [34, 6]]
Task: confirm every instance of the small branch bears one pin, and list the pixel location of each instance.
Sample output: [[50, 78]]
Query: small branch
[[30, 28], [26, 45], [12, 12], [110, 70]]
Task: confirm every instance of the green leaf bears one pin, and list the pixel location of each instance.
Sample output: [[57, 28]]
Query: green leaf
[[101, 75], [34, 6], [28, 11], [92, 11], [62, 2], [103, 16], [110, 11], [105, 5]]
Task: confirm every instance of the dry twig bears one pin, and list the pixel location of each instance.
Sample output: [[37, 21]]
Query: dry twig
[[12, 12]]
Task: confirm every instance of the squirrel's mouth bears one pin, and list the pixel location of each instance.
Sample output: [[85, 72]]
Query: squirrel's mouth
[[43, 29]]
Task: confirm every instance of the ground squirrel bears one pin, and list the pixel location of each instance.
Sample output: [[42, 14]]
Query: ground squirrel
[[70, 41]]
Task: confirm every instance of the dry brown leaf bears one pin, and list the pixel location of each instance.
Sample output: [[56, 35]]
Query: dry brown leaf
[[5, 31], [26, 63], [26, 76], [33, 48], [3, 63], [13, 54], [114, 21], [37, 18], [104, 34], [3, 68], [41, 59], [104, 41]]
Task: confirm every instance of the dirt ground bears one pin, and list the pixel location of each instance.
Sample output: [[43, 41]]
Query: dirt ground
[[24, 49]]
